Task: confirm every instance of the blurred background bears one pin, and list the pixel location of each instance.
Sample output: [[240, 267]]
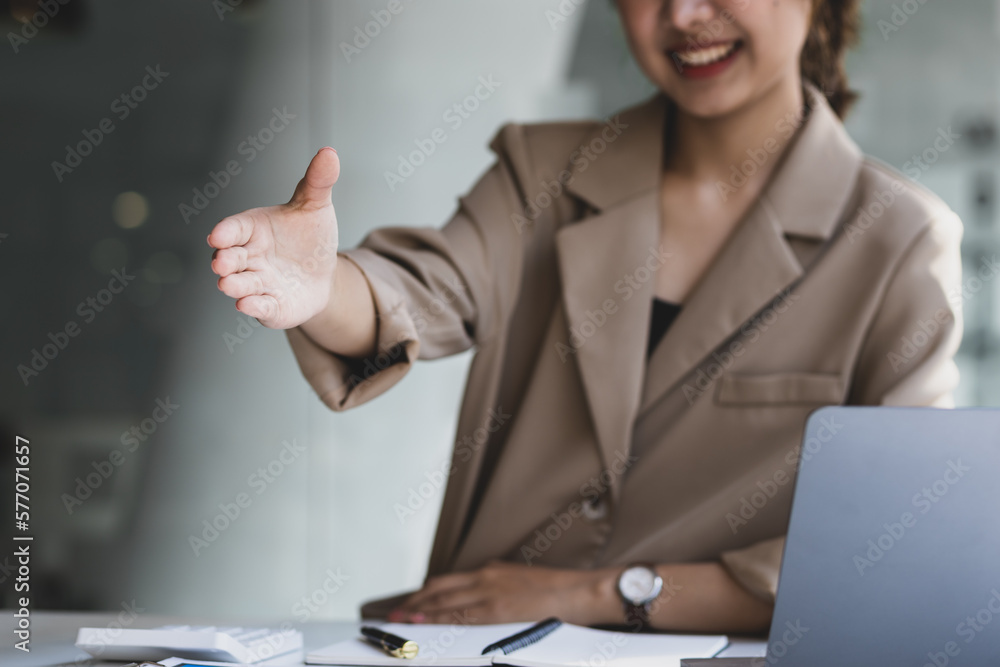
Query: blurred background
[[130, 128]]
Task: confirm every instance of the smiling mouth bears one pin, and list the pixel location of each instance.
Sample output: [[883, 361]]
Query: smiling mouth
[[688, 60]]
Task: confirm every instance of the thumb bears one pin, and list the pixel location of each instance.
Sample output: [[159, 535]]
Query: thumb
[[322, 172]]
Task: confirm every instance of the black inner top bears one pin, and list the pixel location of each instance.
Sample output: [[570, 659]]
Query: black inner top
[[664, 314]]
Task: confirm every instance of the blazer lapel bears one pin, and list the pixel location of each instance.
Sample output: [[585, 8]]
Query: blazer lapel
[[608, 319], [805, 198], [752, 268], [606, 262]]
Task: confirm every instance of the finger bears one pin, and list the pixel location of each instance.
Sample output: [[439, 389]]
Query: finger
[[315, 187], [263, 307], [232, 231], [451, 600], [440, 584], [474, 615], [229, 260], [239, 285]]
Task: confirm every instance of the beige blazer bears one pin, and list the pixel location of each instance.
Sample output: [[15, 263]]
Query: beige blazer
[[842, 285]]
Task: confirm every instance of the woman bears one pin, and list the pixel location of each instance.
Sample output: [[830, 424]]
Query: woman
[[729, 214]]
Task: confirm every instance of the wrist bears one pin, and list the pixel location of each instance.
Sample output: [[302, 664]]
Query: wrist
[[603, 603], [326, 319], [346, 323]]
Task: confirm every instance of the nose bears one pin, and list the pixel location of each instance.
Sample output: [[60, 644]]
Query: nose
[[689, 15]]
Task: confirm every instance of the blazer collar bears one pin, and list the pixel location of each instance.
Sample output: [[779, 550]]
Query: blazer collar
[[606, 261], [822, 153]]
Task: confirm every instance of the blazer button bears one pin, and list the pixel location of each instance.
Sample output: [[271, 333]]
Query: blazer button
[[595, 508]]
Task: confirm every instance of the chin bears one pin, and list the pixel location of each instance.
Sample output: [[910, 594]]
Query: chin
[[702, 99], [716, 102]]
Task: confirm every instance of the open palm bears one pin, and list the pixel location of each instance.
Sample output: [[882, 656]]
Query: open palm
[[278, 262]]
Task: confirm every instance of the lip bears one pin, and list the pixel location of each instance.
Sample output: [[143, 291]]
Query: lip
[[704, 71]]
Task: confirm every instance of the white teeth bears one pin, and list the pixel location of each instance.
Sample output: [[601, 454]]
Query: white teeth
[[706, 56]]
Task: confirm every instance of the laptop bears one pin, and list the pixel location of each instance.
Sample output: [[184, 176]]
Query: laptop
[[893, 548]]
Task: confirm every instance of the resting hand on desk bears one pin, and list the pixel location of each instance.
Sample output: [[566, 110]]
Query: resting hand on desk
[[696, 597]]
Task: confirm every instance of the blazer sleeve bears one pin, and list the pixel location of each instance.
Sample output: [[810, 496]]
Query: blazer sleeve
[[908, 356], [437, 292], [907, 359]]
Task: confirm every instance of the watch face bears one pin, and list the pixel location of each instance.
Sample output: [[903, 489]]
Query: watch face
[[638, 584]]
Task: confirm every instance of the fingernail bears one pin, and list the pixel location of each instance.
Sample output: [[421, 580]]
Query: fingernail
[[417, 618], [396, 615]]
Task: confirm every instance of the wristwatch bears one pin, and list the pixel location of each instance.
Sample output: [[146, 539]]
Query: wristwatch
[[638, 586]]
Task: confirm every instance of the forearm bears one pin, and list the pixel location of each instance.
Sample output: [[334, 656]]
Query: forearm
[[696, 597], [347, 325]]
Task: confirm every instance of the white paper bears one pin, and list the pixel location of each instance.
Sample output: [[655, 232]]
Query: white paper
[[567, 646]]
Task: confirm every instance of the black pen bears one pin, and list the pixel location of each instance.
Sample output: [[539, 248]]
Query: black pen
[[392, 644], [525, 637]]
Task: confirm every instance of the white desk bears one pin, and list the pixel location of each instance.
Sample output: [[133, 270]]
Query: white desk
[[53, 634]]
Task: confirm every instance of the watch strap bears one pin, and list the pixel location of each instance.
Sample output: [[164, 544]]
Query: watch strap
[[637, 616]]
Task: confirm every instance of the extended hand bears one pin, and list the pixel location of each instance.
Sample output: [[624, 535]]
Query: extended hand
[[278, 262], [503, 592]]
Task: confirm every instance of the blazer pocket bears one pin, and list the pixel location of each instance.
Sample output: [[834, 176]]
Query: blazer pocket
[[787, 388]]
